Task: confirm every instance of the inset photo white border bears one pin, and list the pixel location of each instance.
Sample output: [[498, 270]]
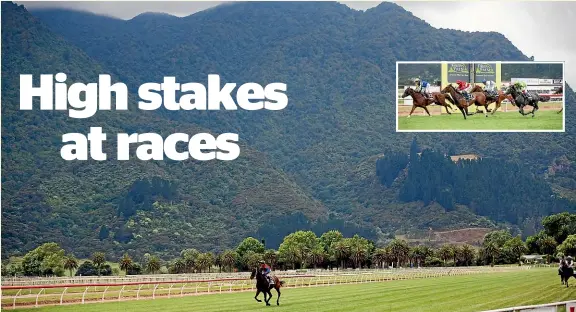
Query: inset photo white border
[[507, 108]]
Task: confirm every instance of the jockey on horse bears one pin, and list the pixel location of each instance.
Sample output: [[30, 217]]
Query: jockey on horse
[[265, 269], [464, 88], [521, 86], [566, 270], [489, 88], [423, 87]]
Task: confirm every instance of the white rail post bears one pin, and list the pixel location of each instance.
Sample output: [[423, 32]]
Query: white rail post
[[62, 296], [170, 290], [121, 290], [138, 292], [37, 296], [182, 290], [84, 294], [154, 291], [104, 293], [17, 294]]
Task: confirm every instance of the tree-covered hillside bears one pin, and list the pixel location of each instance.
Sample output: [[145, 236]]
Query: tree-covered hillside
[[85, 203], [314, 160]]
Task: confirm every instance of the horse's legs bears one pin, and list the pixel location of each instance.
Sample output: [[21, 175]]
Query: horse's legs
[[278, 299], [443, 103], [484, 108], [427, 112], [498, 103], [256, 297], [413, 108], [534, 109], [462, 111], [269, 297]]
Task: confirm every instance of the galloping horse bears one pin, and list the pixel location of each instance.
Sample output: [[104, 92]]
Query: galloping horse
[[418, 100], [262, 285], [565, 273], [521, 100], [457, 98], [479, 99], [500, 96], [560, 91]]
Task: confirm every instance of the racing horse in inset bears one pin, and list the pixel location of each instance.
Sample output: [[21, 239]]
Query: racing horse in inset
[[419, 100], [457, 98], [521, 100], [496, 98]]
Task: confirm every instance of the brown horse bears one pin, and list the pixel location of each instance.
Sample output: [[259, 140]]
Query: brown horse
[[560, 91], [493, 99], [479, 99], [457, 98], [418, 100], [262, 285]]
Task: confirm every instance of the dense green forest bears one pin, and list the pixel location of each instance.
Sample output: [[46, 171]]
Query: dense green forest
[[428, 72], [482, 185], [542, 71], [310, 166], [304, 249]]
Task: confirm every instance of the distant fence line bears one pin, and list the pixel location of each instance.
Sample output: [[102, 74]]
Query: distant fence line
[[40, 280], [75, 293]]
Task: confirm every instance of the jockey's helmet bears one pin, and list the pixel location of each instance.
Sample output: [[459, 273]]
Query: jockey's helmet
[[261, 262], [484, 81], [417, 80]]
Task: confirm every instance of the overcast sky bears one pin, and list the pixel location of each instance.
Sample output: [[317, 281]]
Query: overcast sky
[[539, 29]]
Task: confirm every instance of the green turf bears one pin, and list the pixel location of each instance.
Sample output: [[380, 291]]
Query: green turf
[[544, 120], [454, 293]]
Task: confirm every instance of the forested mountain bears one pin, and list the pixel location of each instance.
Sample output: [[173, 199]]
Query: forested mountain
[[141, 205], [309, 166]]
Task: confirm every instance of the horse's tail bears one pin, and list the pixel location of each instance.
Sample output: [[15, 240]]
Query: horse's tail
[[282, 283], [543, 98]]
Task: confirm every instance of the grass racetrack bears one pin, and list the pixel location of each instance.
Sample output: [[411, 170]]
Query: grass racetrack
[[453, 293], [544, 120]]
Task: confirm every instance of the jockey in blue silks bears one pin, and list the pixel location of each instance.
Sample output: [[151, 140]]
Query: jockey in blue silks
[[423, 87]]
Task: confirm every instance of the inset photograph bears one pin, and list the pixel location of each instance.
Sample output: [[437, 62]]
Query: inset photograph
[[480, 96]]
